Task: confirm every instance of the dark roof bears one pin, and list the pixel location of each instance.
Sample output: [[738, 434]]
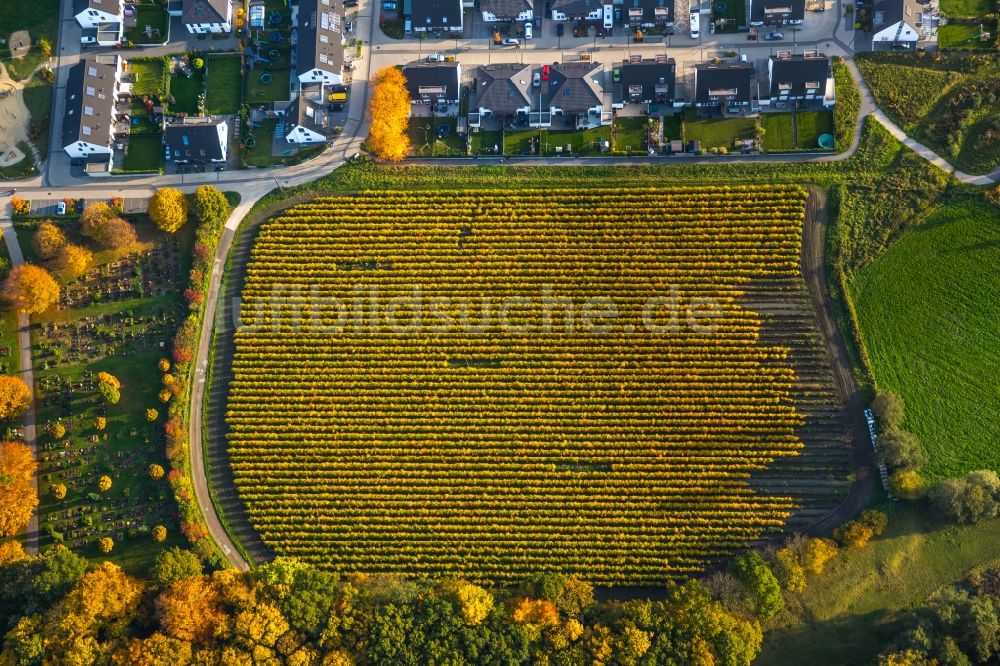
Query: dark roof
[[88, 81], [508, 9], [194, 141], [309, 110], [640, 80], [716, 80], [320, 36], [109, 6], [890, 12], [432, 75], [576, 86], [503, 88], [794, 71], [786, 10], [573, 8], [204, 11], [436, 13], [652, 11]]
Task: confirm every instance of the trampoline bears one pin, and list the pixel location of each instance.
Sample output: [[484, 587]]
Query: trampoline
[[275, 36], [250, 142], [443, 130], [274, 18], [265, 77], [720, 8], [826, 141], [274, 54]]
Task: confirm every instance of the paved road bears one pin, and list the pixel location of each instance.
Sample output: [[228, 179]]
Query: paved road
[[27, 374]]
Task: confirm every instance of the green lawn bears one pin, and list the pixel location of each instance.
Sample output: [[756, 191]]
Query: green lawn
[[735, 13], [716, 132], [484, 140], [38, 98], [21, 68], [928, 309], [425, 142], [149, 78], [9, 358], [223, 74], [778, 135], [582, 142], [630, 134], [260, 154], [185, 92], [40, 18], [812, 124], [21, 169], [957, 35], [672, 123], [969, 8], [151, 16], [845, 615], [265, 93], [144, 153]]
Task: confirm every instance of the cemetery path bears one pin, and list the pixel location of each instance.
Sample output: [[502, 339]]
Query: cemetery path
[[27, 374]]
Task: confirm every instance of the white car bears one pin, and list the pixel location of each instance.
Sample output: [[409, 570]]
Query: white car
[[61, 208], [510, 41], [536, 81], [435, 57], [88, 40], [527, 30], [695, 25]]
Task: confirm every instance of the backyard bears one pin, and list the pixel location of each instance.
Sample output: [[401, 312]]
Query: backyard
[[960, 35], [779, 133], [967, 8], [630, 134], [268, 85], [224, 81], [40, 18], [483, 142], [716, 132], [435, 137], [782, 130], [734, 12], [810, 125], [150, 76], [580, 142], [185, 90], [144, 152], [152, 24], [263, 136]]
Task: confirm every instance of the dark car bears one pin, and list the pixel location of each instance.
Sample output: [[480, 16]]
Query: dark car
[[773, 36], [560, 29], [350, 3]]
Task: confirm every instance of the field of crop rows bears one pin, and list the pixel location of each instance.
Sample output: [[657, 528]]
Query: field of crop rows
[[622, 454]]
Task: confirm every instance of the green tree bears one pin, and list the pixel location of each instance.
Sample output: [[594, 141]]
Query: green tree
[[969, 499], [901, 450], [32, 586], [210, 205], [888, 410], [174, 564], [762, 587], [304, 594]]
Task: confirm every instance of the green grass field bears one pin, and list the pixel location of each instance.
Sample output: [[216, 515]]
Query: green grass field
[[185, 92], [957, 36], [630, 134], [483, 140], [846, 615], [224, 83], [148, 76], [260, 154], [967, 7], [151, 24], [928, 309], [716, 132], [778, 135], [265, 93], [145, 152], [38, 98], [812, 124], [582, 142], [9, 362], [40, 18]]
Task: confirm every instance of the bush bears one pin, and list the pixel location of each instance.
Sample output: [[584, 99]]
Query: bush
[[907, 484], [969, 499], [106, 544], [889, 411], [901, 450], [762, 589], [853, 534]]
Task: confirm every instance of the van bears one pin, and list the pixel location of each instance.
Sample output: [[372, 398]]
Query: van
[[609, 17], [408, 27], [695, 25]]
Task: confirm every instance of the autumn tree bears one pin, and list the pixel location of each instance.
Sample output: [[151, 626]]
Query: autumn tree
[[155, 650], [390, 113], [18, 497], [11, 551], [48, 240], [163, 365], [74, 260], [888, 409], [116, 233], [168, 208], [159, 534], [106, 544], [57, 430], [853, 534], [190, 609], [474, 602], [109, 387], [155, 471], [210, 205], [100, 423], [104, 483], [901, 450], [94, 216], [59, 491], [907, 484], [30, 289], [816, 553], [174, 564], [15, 396]]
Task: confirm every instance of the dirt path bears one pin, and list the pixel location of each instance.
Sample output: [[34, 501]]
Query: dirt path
[[814, 272]]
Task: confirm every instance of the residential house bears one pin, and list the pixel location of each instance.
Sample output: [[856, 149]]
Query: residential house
[[207, 16], [93, 116], [899, 24], [197, 141], [803, 78], [507, 10], [436, 15], [777, 12], [577, 89], [101, 19], [319, 51], [647, 82], [578, 10], [725, 87], [434, 83], [502, 92], [645, 14], [308, 119]]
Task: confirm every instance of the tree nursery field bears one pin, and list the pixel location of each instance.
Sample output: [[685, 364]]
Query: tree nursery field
[[623, 453]]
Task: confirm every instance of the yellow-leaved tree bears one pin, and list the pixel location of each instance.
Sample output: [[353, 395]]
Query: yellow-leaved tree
[[191, 609], [15, 396], [17, 491], [74, 260], [168, 208], [30, 289], [390, 112], [48, 240]]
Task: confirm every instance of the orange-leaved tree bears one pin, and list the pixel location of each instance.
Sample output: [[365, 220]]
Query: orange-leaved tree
[[168, 208], [15, 396], [17, 492], [390, 112], [30, 289]]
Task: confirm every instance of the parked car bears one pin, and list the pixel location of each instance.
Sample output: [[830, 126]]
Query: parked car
[[350, 3], [527, 30], [773, 36], [560, 29], [510, 41], [389, 6], [88, 40], [61, 208], [435, 57], [545, 72], [536, 80]]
